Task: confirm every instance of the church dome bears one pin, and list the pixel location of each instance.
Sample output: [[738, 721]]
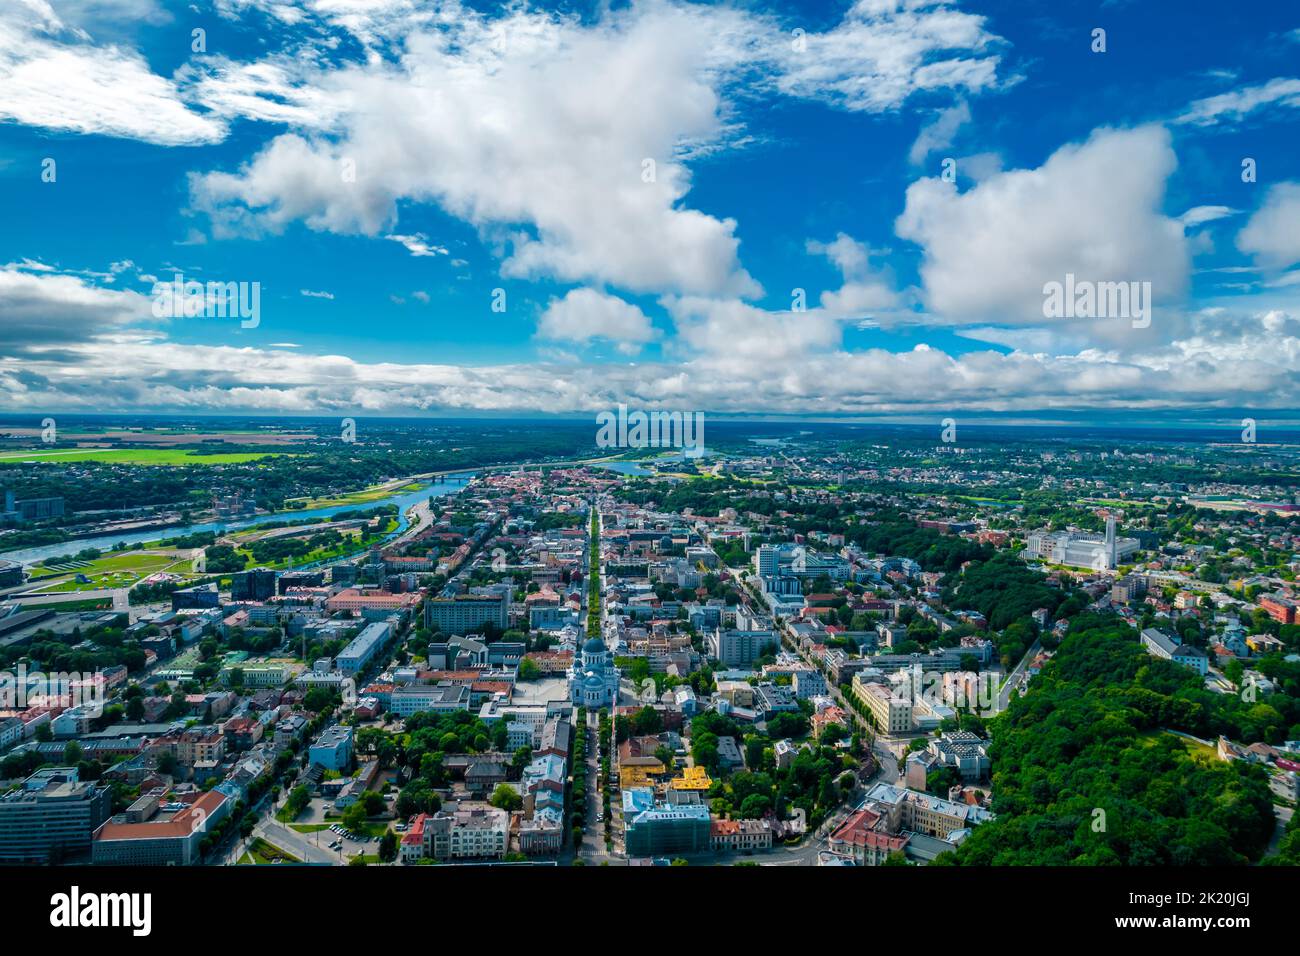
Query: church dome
[[594, 646]]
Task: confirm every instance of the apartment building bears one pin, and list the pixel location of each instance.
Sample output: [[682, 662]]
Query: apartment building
[[198, 745], [740, 648], [891, 711], [467, 613], [467, 831], [289, 729], [1165, 645], [808, 683], [736, 836]]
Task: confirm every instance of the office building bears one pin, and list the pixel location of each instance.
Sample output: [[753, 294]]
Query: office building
[[440, 698], [299, 579], [257, 584], [332, 749], [680, 824], [30, 509], [196, 598], [963, 751], [168, 838], [11, 574], [52, 817]]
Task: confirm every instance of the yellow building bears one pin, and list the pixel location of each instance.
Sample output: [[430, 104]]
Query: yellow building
[[892, 712], [692, 778], [630, 777]]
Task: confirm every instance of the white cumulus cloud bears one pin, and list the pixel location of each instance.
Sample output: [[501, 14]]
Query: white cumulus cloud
[[586, 314], [1092, 209]]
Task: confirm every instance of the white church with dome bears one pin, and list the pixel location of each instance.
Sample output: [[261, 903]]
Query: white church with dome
[[593, 678]]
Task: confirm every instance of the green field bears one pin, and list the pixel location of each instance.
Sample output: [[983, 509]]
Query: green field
[[349, 546], [1198, 750], [89, 604], [135, 456], [262, 853], [110, 571]]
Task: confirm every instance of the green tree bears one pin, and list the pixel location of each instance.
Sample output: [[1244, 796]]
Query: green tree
[[505, 797], [354, 817]]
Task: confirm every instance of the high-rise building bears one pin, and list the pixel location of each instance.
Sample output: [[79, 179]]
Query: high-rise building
[[467, 613], [53, 816], [257, 584], [299, 579], [739, 648]]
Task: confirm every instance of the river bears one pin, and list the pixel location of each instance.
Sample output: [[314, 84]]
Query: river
[[443, 486], [637, 467]]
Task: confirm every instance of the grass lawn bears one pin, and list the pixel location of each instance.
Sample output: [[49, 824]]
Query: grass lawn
[[89, 604], [1197, 750], [110, 571], [365, 496], [134, 456], [262, 853]]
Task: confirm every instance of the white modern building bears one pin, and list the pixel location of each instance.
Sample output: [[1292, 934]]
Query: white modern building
[[1080, 550]]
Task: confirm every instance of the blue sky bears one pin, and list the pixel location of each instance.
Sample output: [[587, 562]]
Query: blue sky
[[797, 146]]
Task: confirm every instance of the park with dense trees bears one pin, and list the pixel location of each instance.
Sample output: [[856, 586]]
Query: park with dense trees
[[1086, 769]]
